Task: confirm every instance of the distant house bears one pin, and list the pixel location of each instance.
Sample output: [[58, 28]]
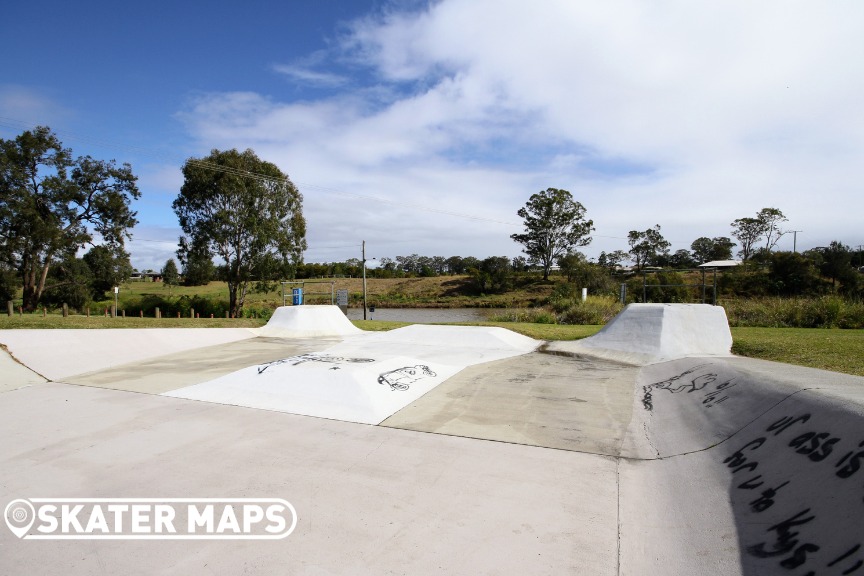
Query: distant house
[[146, 276], [720, 264]]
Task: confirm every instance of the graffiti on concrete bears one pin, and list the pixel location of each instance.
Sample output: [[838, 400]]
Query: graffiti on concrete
[[797, 507], [402, 378], [313, 357], [690, 381]]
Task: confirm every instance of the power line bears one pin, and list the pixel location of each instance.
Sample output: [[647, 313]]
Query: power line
[[19, 124]]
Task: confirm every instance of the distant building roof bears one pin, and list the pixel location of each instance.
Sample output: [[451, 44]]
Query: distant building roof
[[720, 264]]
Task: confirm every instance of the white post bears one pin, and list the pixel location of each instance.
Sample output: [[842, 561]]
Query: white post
[[364, 279], [584, 294]]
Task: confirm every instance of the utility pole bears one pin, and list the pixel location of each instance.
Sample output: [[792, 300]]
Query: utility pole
[[795, 240], [364, 279]]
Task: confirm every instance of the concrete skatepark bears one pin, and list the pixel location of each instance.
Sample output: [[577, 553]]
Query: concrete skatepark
[[646, 449]]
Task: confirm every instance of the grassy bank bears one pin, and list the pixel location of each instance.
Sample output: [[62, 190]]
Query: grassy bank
[[828, 349]]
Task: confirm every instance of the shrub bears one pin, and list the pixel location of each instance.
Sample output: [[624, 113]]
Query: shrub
[[595, 310], [822, 312]]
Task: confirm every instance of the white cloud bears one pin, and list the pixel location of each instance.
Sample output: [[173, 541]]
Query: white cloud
[[22, 108], [684, 114]]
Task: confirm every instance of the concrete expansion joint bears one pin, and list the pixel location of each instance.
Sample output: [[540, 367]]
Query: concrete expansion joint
[[618, 515], [5, 349]]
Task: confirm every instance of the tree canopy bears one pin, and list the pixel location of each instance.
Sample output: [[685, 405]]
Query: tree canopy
[[170, 274], [247, 212], [555, 224], [708, 249], [647, 246], [52, 205], [749, 231]]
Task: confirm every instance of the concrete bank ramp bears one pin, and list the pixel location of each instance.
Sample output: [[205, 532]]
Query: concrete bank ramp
[[645, 333], [365, 378], [737, 466], [308, 322]]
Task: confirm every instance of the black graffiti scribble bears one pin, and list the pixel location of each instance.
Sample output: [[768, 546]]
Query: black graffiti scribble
[[402, 378], [786, 538], [674, 386], [845, 555], [303, 358]]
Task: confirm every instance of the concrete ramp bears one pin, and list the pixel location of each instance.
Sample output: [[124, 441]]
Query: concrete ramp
[[646, 333], [733, 467], [365, 378], [308, 322]]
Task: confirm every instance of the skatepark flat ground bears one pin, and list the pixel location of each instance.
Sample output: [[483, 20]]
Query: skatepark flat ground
[[511, 456]]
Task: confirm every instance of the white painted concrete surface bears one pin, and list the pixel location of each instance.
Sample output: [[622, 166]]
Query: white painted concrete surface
[[366, 378]]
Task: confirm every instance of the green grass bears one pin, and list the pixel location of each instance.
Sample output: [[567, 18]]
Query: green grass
[[824, 348], [53, 321]]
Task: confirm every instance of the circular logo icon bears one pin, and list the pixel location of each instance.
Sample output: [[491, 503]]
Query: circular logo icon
[[19, 515]]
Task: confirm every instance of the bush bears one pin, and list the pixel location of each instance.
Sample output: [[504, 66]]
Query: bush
[[595, 310], [531, 315], [823, 312]]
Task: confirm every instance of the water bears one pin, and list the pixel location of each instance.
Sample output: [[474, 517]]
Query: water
[[420, 315]]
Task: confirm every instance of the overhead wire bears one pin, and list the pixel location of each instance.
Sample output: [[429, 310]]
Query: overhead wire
[[19, 124]]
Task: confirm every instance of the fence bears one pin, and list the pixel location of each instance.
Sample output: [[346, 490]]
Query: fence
[[704, 285], [302, 284]]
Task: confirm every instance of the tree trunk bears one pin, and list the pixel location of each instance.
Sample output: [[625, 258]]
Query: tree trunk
[[232, 299], [34, 281]]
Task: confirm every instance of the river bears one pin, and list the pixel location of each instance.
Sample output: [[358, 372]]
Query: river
[[420, 315]]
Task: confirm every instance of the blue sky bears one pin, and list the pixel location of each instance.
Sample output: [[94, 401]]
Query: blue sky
[[422, 127]]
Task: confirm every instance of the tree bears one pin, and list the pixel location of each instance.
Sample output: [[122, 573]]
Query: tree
[[682, 259], [493, 274], [612, 260], [835, 262], [198, 268], [645, 247], [571, 264], [771, 219], [709, 249], [555, 224], [170, 275], [109, 266], [793, 274], [51, 205], [247, 212], [8, 283], [70, 282], [748, 231]]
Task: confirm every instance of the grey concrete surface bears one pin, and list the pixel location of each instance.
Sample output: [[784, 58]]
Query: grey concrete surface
[[370, 500], [528, 464], [539, 399], [172, 371], [13, 374], [57, 354]]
